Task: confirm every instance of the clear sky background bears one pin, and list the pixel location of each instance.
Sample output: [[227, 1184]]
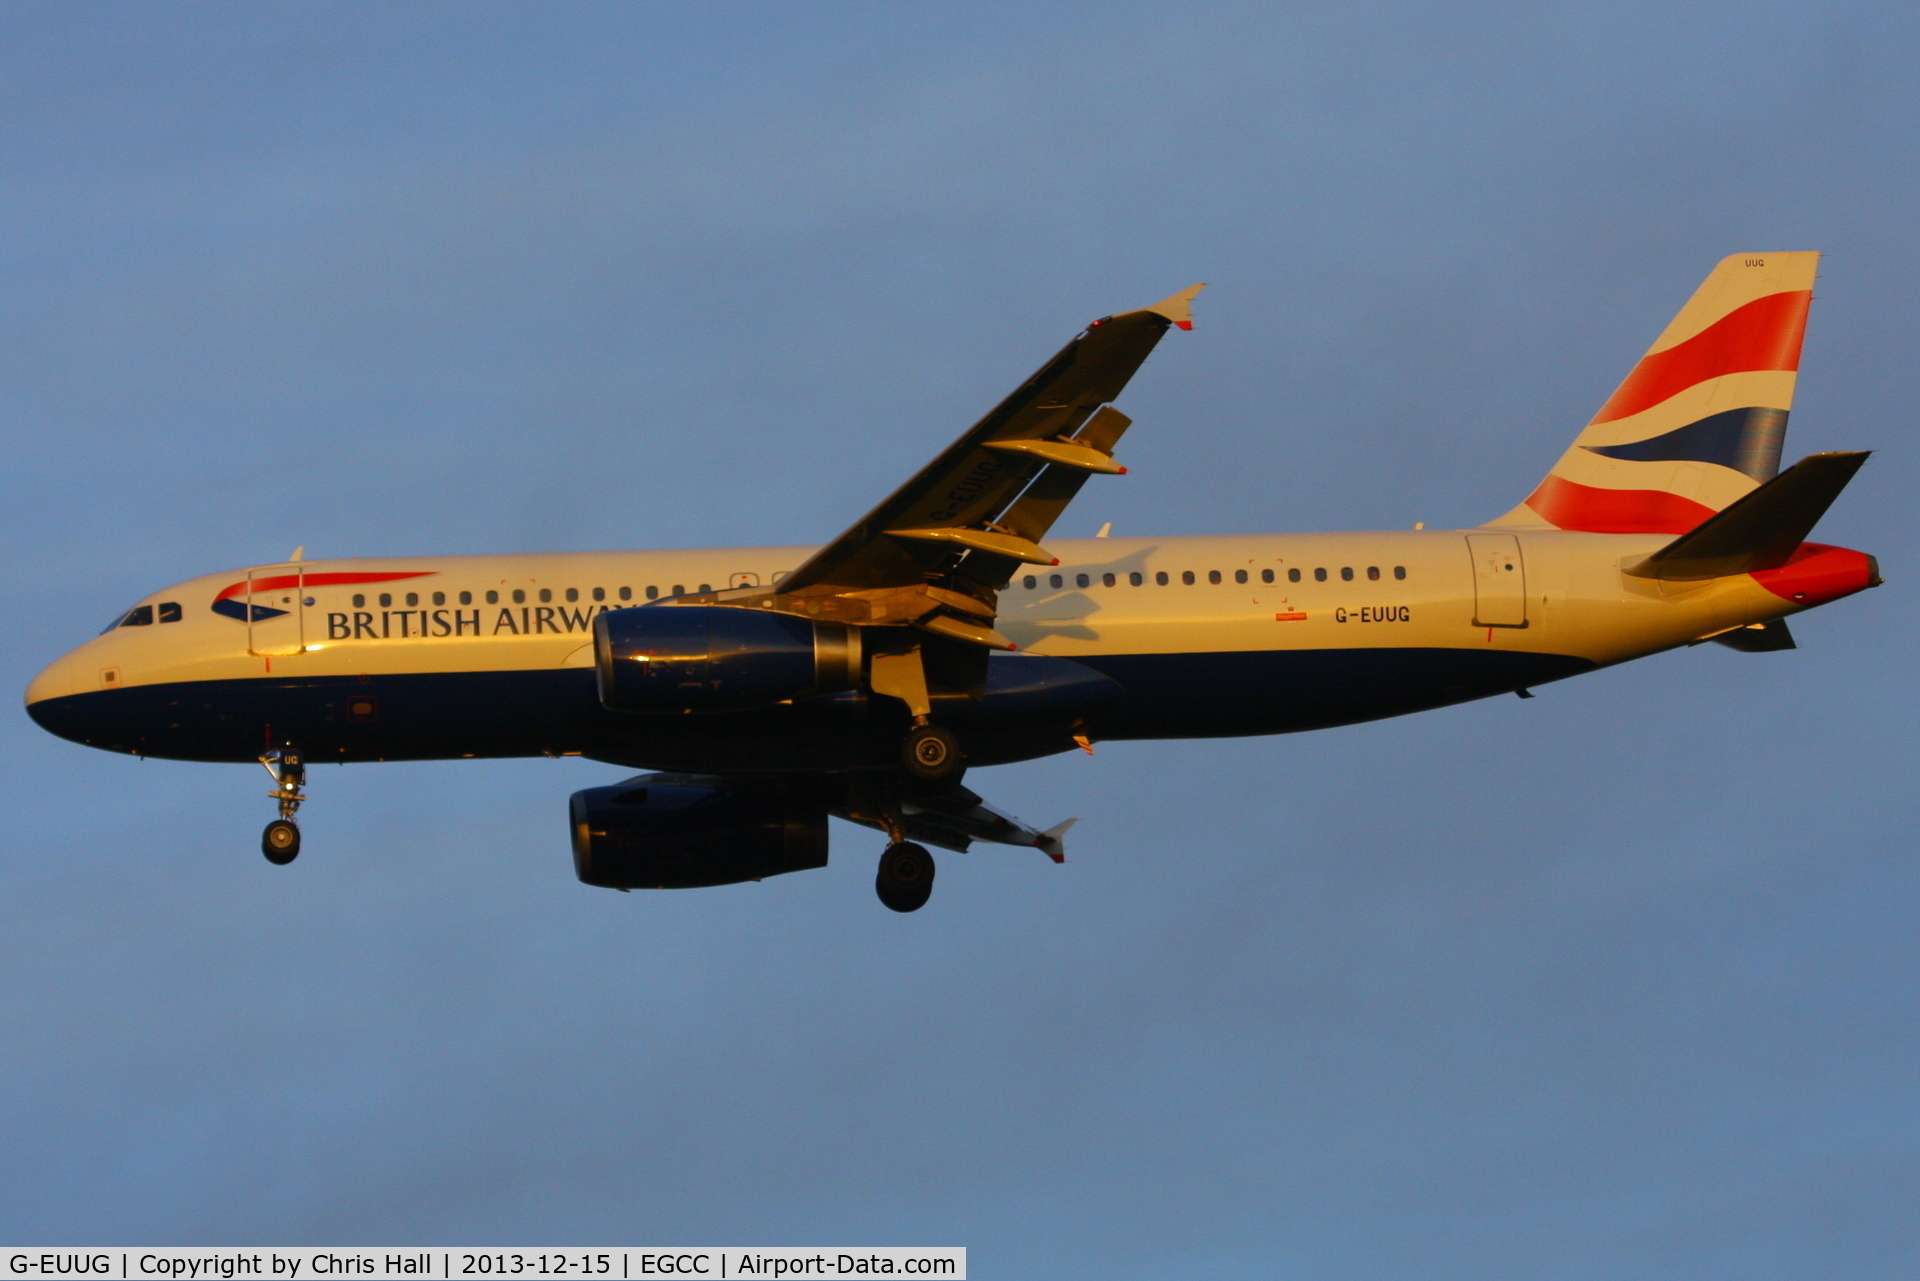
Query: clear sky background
[[1616, 982]]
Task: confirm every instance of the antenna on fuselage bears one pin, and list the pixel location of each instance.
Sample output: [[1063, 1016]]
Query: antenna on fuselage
[[298, 552]]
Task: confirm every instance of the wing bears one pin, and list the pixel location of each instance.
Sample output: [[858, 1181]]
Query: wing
[[949, 816], [936, 552], [953, 817]]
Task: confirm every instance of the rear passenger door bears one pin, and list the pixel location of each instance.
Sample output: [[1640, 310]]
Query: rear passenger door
[[1499, 581]]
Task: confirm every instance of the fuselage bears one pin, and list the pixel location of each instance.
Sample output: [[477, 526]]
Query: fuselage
[[440, 657]]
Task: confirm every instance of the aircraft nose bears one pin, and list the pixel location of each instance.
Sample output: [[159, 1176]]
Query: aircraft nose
[[55, 681]]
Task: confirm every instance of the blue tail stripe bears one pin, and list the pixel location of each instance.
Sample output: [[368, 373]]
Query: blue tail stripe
[[1747, 440]]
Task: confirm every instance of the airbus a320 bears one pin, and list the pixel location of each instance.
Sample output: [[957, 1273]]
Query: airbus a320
[[764, 689]]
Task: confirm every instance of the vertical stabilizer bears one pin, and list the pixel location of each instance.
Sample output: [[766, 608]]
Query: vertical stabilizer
[[1699, 422]]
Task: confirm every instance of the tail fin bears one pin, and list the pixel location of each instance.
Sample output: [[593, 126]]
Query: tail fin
[[1699, 422]]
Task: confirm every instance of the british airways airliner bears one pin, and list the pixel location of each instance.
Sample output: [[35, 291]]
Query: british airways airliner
[[767, 688]]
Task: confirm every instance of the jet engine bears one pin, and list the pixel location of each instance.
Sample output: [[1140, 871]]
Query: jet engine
[[644, 835], [710, 658]]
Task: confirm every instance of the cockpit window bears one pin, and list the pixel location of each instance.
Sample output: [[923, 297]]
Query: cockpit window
[[170, 611], [138, 616]]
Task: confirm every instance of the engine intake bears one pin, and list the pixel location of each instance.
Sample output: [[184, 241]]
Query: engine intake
[[712, 658], [643, 835]]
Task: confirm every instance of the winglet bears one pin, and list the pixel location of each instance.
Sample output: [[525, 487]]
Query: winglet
[[1050, 844], [1179, 308]]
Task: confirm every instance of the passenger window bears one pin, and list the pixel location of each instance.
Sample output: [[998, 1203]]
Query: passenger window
[[653, 593], [1161, 578], [679, 590], [1030, 582], [1081, 580], [599, 593], [519, 596], [546, 595], [1239, 575], [1186, 576], [1399, 571], [705, 588], [1346, 573], [1373, 573], [1055, 580], [493, 598], [413, 598], [1266, 575], [439, 598], [466, 598], [1108, 579], [626, 593], [139, 616], [1213, 575], [1293, 575], [386, 600], [573, 594], [1136, 579], [170, 611], [359, 601], [1319, 575]]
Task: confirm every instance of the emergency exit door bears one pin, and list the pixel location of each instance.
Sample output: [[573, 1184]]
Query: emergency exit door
[[276, 610], [1499, 581]]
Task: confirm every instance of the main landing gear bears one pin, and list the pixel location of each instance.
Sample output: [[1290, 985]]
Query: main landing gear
[[929, 752], [281, 841], [905, 880]]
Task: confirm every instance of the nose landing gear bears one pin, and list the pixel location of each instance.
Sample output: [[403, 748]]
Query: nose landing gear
[[281, 841]]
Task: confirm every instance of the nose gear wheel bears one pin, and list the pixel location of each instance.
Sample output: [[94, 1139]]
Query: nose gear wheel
[[281, 841]]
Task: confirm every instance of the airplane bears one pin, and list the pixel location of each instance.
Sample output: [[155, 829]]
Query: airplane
[[764, 689]]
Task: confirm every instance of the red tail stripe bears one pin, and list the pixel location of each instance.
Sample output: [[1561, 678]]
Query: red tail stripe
[[1763, 334], [316, 580], [1615, 511]]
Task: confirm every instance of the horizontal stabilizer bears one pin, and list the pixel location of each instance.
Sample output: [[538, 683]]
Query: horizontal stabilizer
[[1761, 530], [1759, 638]]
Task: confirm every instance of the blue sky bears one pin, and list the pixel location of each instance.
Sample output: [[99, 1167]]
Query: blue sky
[[1619, 981]]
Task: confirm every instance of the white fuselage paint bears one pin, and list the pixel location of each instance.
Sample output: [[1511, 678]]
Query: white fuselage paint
[[1578, 603]]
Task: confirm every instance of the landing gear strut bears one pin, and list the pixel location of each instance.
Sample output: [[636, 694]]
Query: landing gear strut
[[281, 841], [905, 880]]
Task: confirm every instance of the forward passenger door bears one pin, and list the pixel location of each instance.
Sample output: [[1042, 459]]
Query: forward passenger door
[[276, 612]]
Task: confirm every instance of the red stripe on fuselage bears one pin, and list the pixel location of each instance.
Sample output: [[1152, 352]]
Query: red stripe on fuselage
[[317, 580], [1763, 334], [1570, 505]]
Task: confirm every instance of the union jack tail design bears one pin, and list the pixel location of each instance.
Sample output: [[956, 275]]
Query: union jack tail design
[[1700, 420]]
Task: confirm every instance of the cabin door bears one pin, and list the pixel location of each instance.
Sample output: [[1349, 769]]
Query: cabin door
[[1499, 581], [276, 610]]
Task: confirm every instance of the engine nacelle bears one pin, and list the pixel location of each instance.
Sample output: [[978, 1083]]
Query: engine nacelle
[[644, 836], [711, 658]]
